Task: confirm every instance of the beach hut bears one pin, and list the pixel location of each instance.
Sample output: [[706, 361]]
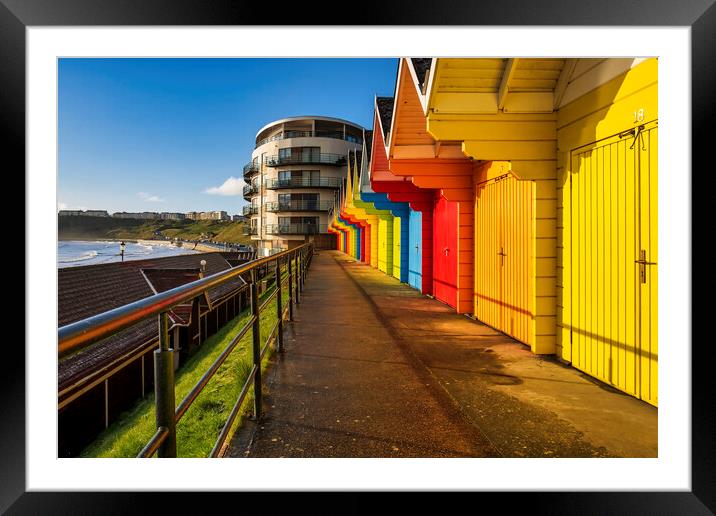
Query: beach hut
[[564, 203], [442, 169]]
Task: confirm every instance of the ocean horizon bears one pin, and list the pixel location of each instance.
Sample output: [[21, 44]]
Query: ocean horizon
[[73, 253]]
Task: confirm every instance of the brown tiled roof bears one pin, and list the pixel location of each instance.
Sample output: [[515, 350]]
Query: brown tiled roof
[[167, 279], [421, 65], [93, 289], [368, 144], [385, 112], [241, 256], [101, 354]]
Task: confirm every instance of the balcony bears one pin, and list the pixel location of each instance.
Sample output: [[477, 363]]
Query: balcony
[[301, 182], [308, 158], [337, 135], [251, 210], [250, 190], [250, 170], [251, 230], [297, 205], [295, 229]]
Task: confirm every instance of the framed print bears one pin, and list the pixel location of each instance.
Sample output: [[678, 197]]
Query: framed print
[[500, 174]]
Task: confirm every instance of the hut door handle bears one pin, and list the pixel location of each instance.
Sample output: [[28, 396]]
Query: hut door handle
[[446, 250], [642, 265], [502, 255]]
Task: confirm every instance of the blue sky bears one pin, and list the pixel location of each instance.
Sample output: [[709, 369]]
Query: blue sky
[[156, 134]]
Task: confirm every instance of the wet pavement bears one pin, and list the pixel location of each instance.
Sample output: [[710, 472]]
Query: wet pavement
[[373, 368]]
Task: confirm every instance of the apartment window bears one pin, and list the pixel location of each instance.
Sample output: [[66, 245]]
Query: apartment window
[[290, 221], [299, 153], [299, 177]]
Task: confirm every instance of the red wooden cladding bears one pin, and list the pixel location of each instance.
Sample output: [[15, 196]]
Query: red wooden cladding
[[445, 251]]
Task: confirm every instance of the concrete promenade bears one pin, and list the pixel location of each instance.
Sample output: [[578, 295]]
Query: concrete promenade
[[375, 369]]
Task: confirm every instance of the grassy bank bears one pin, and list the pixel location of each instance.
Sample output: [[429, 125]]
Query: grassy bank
[[88, 228], [199, 428]]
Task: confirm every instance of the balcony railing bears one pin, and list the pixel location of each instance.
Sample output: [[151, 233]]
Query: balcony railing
[[299, 205], [295, 229], [306, 158], [250, 190], [337, 135], [251, 210], [251, 230], [250, 169], [287, 269], [303, 182]]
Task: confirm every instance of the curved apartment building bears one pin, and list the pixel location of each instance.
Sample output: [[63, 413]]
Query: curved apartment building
[[295, 171]]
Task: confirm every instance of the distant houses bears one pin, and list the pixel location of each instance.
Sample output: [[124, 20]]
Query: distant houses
[[145, 215], [208, 215], [85, 213], [151, 215]]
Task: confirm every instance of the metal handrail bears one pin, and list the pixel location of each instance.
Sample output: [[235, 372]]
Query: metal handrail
[[295, 229], [300, 182], [337, 135], [250, 209], [78, 335], [319, 158], [298, 205], [250, 189], [251, 168]]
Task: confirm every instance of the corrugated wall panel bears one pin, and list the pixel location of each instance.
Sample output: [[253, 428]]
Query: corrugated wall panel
[[445, 251], [374, 230], [613, 220], [505, 265], [397, 242], [415, 257], [385, 245]]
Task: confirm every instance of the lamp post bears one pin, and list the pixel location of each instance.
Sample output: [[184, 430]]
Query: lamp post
[[122, 245]]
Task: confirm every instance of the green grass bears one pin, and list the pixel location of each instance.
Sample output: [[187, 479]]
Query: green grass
[[199, 428], [83, 228]]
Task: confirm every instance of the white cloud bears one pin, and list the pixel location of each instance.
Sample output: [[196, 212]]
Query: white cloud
[[232, 186], [149, 197]]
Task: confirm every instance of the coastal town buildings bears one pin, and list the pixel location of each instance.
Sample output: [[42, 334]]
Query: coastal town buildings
[[172, 216], [296, 168], [145, 215], [83, 213]]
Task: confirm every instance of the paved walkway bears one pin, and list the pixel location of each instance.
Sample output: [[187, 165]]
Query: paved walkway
[[374, 369]]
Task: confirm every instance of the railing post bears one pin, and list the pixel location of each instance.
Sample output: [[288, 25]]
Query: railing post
[[298, 276], [256, 343], [279, 306], [289, 260], [164, 389]]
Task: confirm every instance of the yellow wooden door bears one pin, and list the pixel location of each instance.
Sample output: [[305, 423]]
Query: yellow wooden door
[[488, 263], [612, 260], [648, 257], [504, 256]]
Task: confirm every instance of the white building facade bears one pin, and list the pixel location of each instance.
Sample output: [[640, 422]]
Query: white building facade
[[297, 167]]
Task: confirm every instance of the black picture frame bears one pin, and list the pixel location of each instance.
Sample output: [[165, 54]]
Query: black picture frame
[[700, 15]]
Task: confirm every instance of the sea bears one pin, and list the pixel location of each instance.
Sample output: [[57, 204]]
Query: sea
[[71, 253]]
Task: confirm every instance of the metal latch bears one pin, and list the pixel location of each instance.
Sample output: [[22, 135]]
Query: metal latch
[[642, 265], [502, 255]]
